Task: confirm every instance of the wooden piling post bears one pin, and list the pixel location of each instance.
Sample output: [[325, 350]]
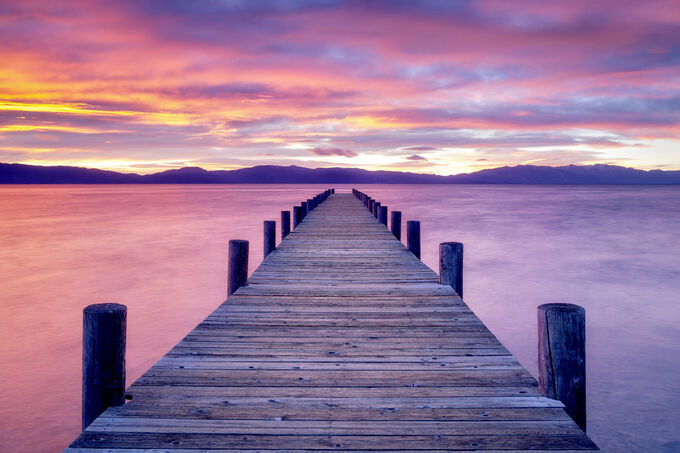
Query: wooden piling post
[[382, 215], [303, 205], [562, 357], [269, 237], [285, 224], [451, 265], [297, 216], [376, 209], [104, 327], [413, 237], [238, 265], [310, 205], [396, 224]]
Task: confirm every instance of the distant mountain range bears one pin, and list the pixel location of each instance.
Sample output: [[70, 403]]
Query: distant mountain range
[[272, 174]]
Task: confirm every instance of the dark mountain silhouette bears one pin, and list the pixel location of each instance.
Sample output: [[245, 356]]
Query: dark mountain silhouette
[[272, 174]]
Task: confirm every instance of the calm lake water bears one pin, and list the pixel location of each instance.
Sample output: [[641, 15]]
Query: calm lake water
[[161, 250]]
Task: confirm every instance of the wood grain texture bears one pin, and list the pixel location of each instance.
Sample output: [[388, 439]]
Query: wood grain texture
[[342, 341]]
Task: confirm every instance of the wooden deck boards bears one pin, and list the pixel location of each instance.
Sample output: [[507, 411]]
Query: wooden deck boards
[[342, 341]]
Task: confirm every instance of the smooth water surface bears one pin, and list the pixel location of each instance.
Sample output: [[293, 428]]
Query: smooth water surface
[[161, 250]]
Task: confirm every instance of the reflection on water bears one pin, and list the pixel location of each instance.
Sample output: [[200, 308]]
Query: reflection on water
[[161, 250]]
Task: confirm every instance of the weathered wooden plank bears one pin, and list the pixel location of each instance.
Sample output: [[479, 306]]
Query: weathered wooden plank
[[153, 392], [335, 442], [331, 427]]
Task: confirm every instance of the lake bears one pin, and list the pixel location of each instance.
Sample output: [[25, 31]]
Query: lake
[[162, 251]]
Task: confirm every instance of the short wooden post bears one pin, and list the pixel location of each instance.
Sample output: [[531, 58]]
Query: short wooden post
[[297, 216], [451, 265], [104, 328], [371, 202], [376, 209], [413, 237], [382, 216], [396, 224], [238, 265], [285, 224], [303, 205], [269, 237], [332, 190], [310, 205], [562, 357]]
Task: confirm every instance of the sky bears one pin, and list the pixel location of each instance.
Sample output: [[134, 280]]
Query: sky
[[441, 87]]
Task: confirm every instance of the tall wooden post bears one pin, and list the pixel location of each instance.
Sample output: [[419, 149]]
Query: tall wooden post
[[396, 224], [285, 224], [297, 216], [562, 357], [382, 215], [238, 265], [413, 237], [269, 237], [104, 327], [451, 265]]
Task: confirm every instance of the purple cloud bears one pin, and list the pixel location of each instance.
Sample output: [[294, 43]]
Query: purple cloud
[[333, 152], [420, 148], [416, 157]]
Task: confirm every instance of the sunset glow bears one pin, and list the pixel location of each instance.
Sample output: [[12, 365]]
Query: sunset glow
[[427, 86]]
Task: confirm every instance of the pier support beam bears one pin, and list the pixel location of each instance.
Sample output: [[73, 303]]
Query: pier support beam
[[238, 265], [413, 237], [104, 327], [297, 216], [396, 224], [451, 265], [285, 224], [269, 237], [382, 215], [562, 357]]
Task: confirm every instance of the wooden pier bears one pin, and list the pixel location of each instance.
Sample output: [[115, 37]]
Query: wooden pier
[[342, 341]]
